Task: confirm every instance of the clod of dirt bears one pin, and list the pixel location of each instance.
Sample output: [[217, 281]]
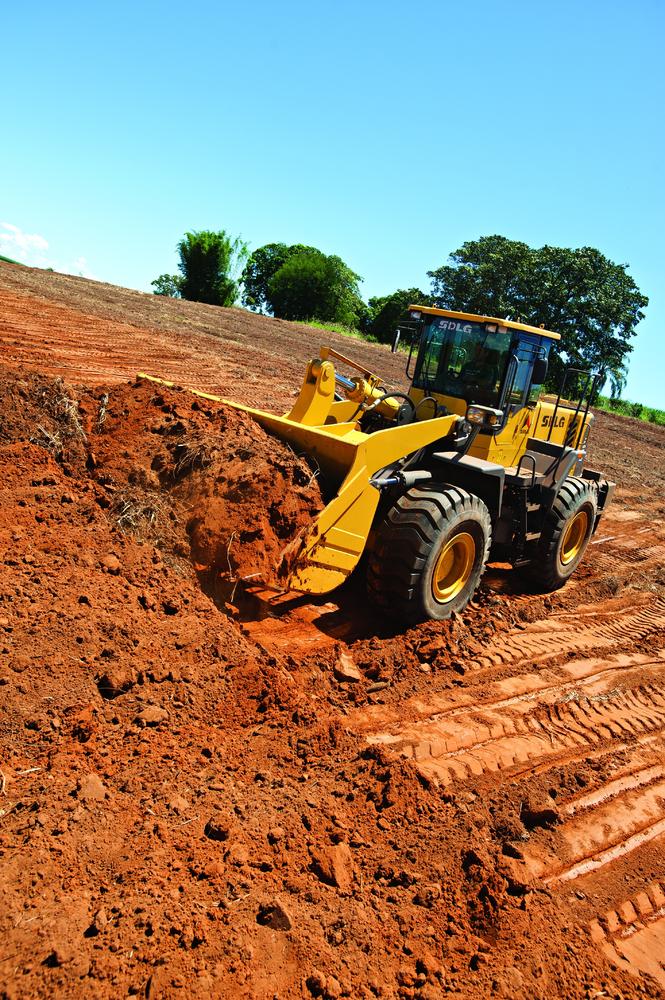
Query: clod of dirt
[[345, 669], [217, 828], [116, 680], [91, 788], [275, 916], [203, 476], [153, 715], [334, 866], [533, 818]]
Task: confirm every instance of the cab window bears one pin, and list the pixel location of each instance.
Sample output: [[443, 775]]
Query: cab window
[[524, 352], [462, 359]]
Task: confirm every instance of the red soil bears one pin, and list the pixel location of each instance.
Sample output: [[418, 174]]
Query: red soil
[[312, 803]]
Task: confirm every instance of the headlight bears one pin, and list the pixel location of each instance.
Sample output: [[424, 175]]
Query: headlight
[[484, 416]]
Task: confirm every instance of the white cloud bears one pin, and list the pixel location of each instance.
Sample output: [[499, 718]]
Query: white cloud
[[30, 249], [27, 247], [80, 266]]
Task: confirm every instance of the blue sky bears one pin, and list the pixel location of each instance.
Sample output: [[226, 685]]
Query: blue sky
[[385, 132]]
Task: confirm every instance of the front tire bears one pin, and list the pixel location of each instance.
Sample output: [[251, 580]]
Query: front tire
[[429, 553], [566, 533]]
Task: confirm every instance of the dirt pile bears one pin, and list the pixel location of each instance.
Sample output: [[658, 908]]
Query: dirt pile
[[195, 477]]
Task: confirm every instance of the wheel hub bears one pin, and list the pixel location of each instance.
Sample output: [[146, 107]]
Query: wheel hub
[[453, 567], [574, 536]]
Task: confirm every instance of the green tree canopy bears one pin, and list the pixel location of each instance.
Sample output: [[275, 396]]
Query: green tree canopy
[[262, 266], [311, 285], [385, 311], [167, 284], [593, 303], [209, 265]]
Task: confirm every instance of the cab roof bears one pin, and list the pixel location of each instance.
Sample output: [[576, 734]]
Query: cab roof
[[508, 323]]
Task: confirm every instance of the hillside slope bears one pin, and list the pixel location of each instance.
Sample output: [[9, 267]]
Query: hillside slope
[[87, 329]]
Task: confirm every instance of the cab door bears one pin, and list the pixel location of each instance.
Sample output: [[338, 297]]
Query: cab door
[[519, 402]]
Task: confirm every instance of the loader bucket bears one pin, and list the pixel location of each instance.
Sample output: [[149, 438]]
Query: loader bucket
[[327, 433]]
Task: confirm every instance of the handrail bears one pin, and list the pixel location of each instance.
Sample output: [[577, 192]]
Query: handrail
[[533, 471]]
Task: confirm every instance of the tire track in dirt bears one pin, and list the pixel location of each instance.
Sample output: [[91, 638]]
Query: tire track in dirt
[[632, 935], [544, 724], [549, 639], [581, 688]]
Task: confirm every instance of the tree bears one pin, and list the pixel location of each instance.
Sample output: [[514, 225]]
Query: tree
[[592, 302], [209, 265], [311, 285], [167, 284], [386, 310], [262, 266]]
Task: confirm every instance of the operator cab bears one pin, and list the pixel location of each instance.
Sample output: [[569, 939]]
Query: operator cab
[[466, 360]]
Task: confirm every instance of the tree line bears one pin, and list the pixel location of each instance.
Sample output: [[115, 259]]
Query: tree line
[[592, 302]]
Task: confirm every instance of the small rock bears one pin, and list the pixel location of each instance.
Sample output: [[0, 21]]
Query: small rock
[[334, 866], [217, 828], [514, 980], [178, 804], [237, 854], [115, 681], [428, 894], [111, 564], [533, 818], [67, 498], [429, 963], [333, 988], [316, 983], [345, 669], [275, 916], [91, 788], [20, 662], [275, 834], [152, 716]]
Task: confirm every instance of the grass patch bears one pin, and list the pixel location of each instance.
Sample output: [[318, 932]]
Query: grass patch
[[8, 260], [345, 331], [628, 409], [351, 331]]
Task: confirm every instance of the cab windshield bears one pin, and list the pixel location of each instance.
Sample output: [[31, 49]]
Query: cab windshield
[[462, 359]]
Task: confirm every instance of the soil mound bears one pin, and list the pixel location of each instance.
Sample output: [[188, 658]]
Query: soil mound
[[193, 476]]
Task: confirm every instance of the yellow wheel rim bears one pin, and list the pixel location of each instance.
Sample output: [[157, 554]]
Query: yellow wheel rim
[[574, 537], [453, 567]]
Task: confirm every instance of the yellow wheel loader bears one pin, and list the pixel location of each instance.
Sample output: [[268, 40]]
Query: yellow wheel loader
[[469, 464]]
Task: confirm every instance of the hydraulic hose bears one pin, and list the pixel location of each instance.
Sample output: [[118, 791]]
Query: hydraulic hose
[[386, 395], [404, 479]]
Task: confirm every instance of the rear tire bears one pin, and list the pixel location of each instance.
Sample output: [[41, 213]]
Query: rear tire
[[429, 553], [566, 533]]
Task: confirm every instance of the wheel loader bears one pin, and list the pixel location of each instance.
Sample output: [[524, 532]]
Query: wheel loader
[[469, 464]]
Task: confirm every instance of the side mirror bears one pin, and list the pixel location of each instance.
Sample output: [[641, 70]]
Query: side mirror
[[396, 337], [539, 371]]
